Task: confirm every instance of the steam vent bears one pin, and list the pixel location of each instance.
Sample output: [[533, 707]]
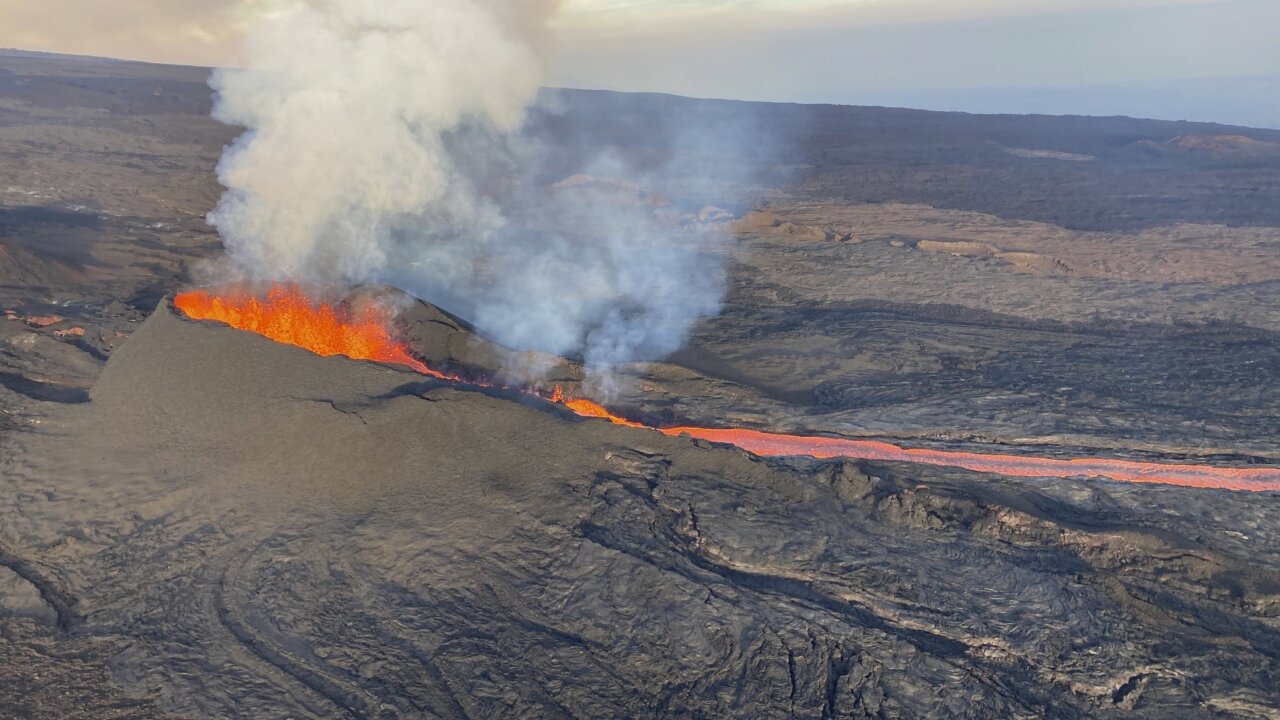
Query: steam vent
[[354, 539]]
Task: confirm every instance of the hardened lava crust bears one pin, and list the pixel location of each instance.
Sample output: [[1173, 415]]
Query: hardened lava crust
[[341, 537]]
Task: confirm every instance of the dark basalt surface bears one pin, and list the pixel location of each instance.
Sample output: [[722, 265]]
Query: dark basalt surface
[[242, 528]]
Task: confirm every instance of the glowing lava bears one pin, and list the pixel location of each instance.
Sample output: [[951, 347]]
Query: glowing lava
[[589, 409], [286, 315], [1258, 479]]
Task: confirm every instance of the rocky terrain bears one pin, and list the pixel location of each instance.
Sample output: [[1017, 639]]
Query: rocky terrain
[[198, 522]]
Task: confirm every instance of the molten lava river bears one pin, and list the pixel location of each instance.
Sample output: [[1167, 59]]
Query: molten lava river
[[286, 315]]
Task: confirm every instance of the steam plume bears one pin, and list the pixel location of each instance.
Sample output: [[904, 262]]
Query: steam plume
[[384, 144]]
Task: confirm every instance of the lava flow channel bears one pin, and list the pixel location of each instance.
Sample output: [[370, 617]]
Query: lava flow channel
[[286, 315]]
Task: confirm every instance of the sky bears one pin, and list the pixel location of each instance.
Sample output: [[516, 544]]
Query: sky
[[1177, 59]]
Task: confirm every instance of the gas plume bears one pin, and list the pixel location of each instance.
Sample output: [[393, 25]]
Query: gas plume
[[386, 143]]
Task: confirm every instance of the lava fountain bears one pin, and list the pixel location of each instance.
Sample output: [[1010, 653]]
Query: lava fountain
[[285, 314]]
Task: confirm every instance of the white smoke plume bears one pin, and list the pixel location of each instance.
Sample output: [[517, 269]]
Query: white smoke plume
[[384, 144]]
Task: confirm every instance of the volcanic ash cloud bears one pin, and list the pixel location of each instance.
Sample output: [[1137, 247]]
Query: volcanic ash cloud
[[384, 144]]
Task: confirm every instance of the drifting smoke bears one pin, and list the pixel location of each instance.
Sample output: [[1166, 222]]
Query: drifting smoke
[[385, 144]]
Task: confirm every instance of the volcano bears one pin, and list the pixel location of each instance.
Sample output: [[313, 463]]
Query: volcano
[[284, 314], [352, 538]]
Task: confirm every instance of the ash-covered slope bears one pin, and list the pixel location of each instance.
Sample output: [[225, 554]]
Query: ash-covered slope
[[242, 529]]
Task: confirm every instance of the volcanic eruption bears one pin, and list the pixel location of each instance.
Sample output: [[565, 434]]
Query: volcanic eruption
[[397, 186], [286, 315], [387, 144], [314, 484]]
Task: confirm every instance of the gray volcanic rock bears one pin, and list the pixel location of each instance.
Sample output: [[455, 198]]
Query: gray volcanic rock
[[449, 343], [235, 527]]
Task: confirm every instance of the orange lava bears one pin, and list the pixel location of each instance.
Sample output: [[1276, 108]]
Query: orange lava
[[1257, 479], [286, 315], [589, 409]]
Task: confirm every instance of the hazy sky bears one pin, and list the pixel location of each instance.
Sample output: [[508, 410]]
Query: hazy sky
[[1160, 58]]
